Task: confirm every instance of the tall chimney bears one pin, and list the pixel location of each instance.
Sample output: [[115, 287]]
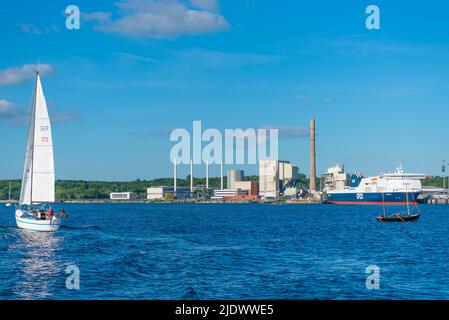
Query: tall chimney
[[312, 156], [191, 175], [207, 174], [174, 175], [221, 175]]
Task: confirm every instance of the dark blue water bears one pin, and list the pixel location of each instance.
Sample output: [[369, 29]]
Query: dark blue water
[[139, 251]]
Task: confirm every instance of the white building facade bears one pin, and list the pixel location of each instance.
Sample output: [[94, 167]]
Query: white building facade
[[123, 196], [268, 178]]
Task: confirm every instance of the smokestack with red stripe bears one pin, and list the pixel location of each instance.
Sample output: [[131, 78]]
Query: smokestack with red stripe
[[312, 156]]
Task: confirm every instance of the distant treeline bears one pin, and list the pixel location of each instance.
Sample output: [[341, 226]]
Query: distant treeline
[[80, 189], [436, 181]]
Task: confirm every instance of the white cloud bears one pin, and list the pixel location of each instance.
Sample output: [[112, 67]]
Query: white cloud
[[304, 98], [31, 28], [226, 60], [205, 4], [160, 18], [290, 132], [96, 16], [22, 74], [11, 115], [63, 117], [6, 106]]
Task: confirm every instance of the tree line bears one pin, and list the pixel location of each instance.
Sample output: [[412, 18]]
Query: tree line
[[91, 190]]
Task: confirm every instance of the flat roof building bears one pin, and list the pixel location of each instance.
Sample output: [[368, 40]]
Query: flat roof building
[[287, 171], [252, 187], [155, 193], [123, 196]]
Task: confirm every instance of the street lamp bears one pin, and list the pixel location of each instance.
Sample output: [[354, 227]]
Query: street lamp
[[443, 170]]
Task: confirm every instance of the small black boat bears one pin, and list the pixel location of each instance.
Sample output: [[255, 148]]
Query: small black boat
[[399, 218]]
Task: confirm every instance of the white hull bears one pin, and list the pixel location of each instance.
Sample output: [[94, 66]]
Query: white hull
[[37, 225], [8, 204]]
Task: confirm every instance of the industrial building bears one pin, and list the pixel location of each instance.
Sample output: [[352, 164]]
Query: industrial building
[[275, 176], [251, 187], [268, 178], [234, 176], [287, 172], [229, 193], [335, 178], [234, 195], [123, 196], [157, 193]]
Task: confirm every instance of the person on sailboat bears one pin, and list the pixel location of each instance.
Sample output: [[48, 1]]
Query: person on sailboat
[[51, 213], [63, 214]]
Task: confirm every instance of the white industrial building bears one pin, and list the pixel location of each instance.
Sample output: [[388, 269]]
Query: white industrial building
[[287, 171], [274, 175], [335, 178], [156, 193], [219, 194], [123, 196], [268, 178]]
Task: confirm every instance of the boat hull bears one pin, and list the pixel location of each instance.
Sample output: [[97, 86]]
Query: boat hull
[[37, 225], [372, 198], [399, 218]]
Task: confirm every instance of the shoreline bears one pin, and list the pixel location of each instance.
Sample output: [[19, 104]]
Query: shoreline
[[107, 201]]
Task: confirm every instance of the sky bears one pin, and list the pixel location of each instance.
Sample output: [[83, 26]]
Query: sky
[[136, 69]]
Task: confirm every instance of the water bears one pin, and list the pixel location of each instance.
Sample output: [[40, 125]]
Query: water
[[213, 251]]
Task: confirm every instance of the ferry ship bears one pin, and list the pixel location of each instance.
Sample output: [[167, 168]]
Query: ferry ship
[[389, 188]]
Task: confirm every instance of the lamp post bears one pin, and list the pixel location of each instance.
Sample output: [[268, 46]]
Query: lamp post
[[443, 170]]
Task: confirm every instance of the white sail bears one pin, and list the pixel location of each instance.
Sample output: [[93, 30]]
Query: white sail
[[38, 183]]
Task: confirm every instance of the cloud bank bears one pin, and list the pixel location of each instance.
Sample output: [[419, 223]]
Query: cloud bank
[[16, 75], [11, 115], [160, 18]]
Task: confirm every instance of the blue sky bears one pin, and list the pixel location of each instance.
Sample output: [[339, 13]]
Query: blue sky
[[120, 83]]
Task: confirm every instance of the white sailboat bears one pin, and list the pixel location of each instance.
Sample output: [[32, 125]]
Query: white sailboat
[[38, 182]]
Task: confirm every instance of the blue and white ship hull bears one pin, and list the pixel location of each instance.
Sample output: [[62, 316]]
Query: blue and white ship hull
[[388, 188], [370, 198]]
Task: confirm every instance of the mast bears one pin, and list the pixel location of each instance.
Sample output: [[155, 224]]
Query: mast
[[33, 128], [406, 199], [9, 192]]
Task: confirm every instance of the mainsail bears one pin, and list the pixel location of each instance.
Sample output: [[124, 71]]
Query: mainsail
[[38, 182]]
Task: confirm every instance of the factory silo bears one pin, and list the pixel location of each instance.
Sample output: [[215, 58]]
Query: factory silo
[[233, 176]]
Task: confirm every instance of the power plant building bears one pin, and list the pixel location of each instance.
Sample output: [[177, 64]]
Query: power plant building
[[287, 171], [251, 187], [268, 178], [234, 176]]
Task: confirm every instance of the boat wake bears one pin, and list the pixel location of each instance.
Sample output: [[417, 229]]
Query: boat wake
[[86, 227]]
